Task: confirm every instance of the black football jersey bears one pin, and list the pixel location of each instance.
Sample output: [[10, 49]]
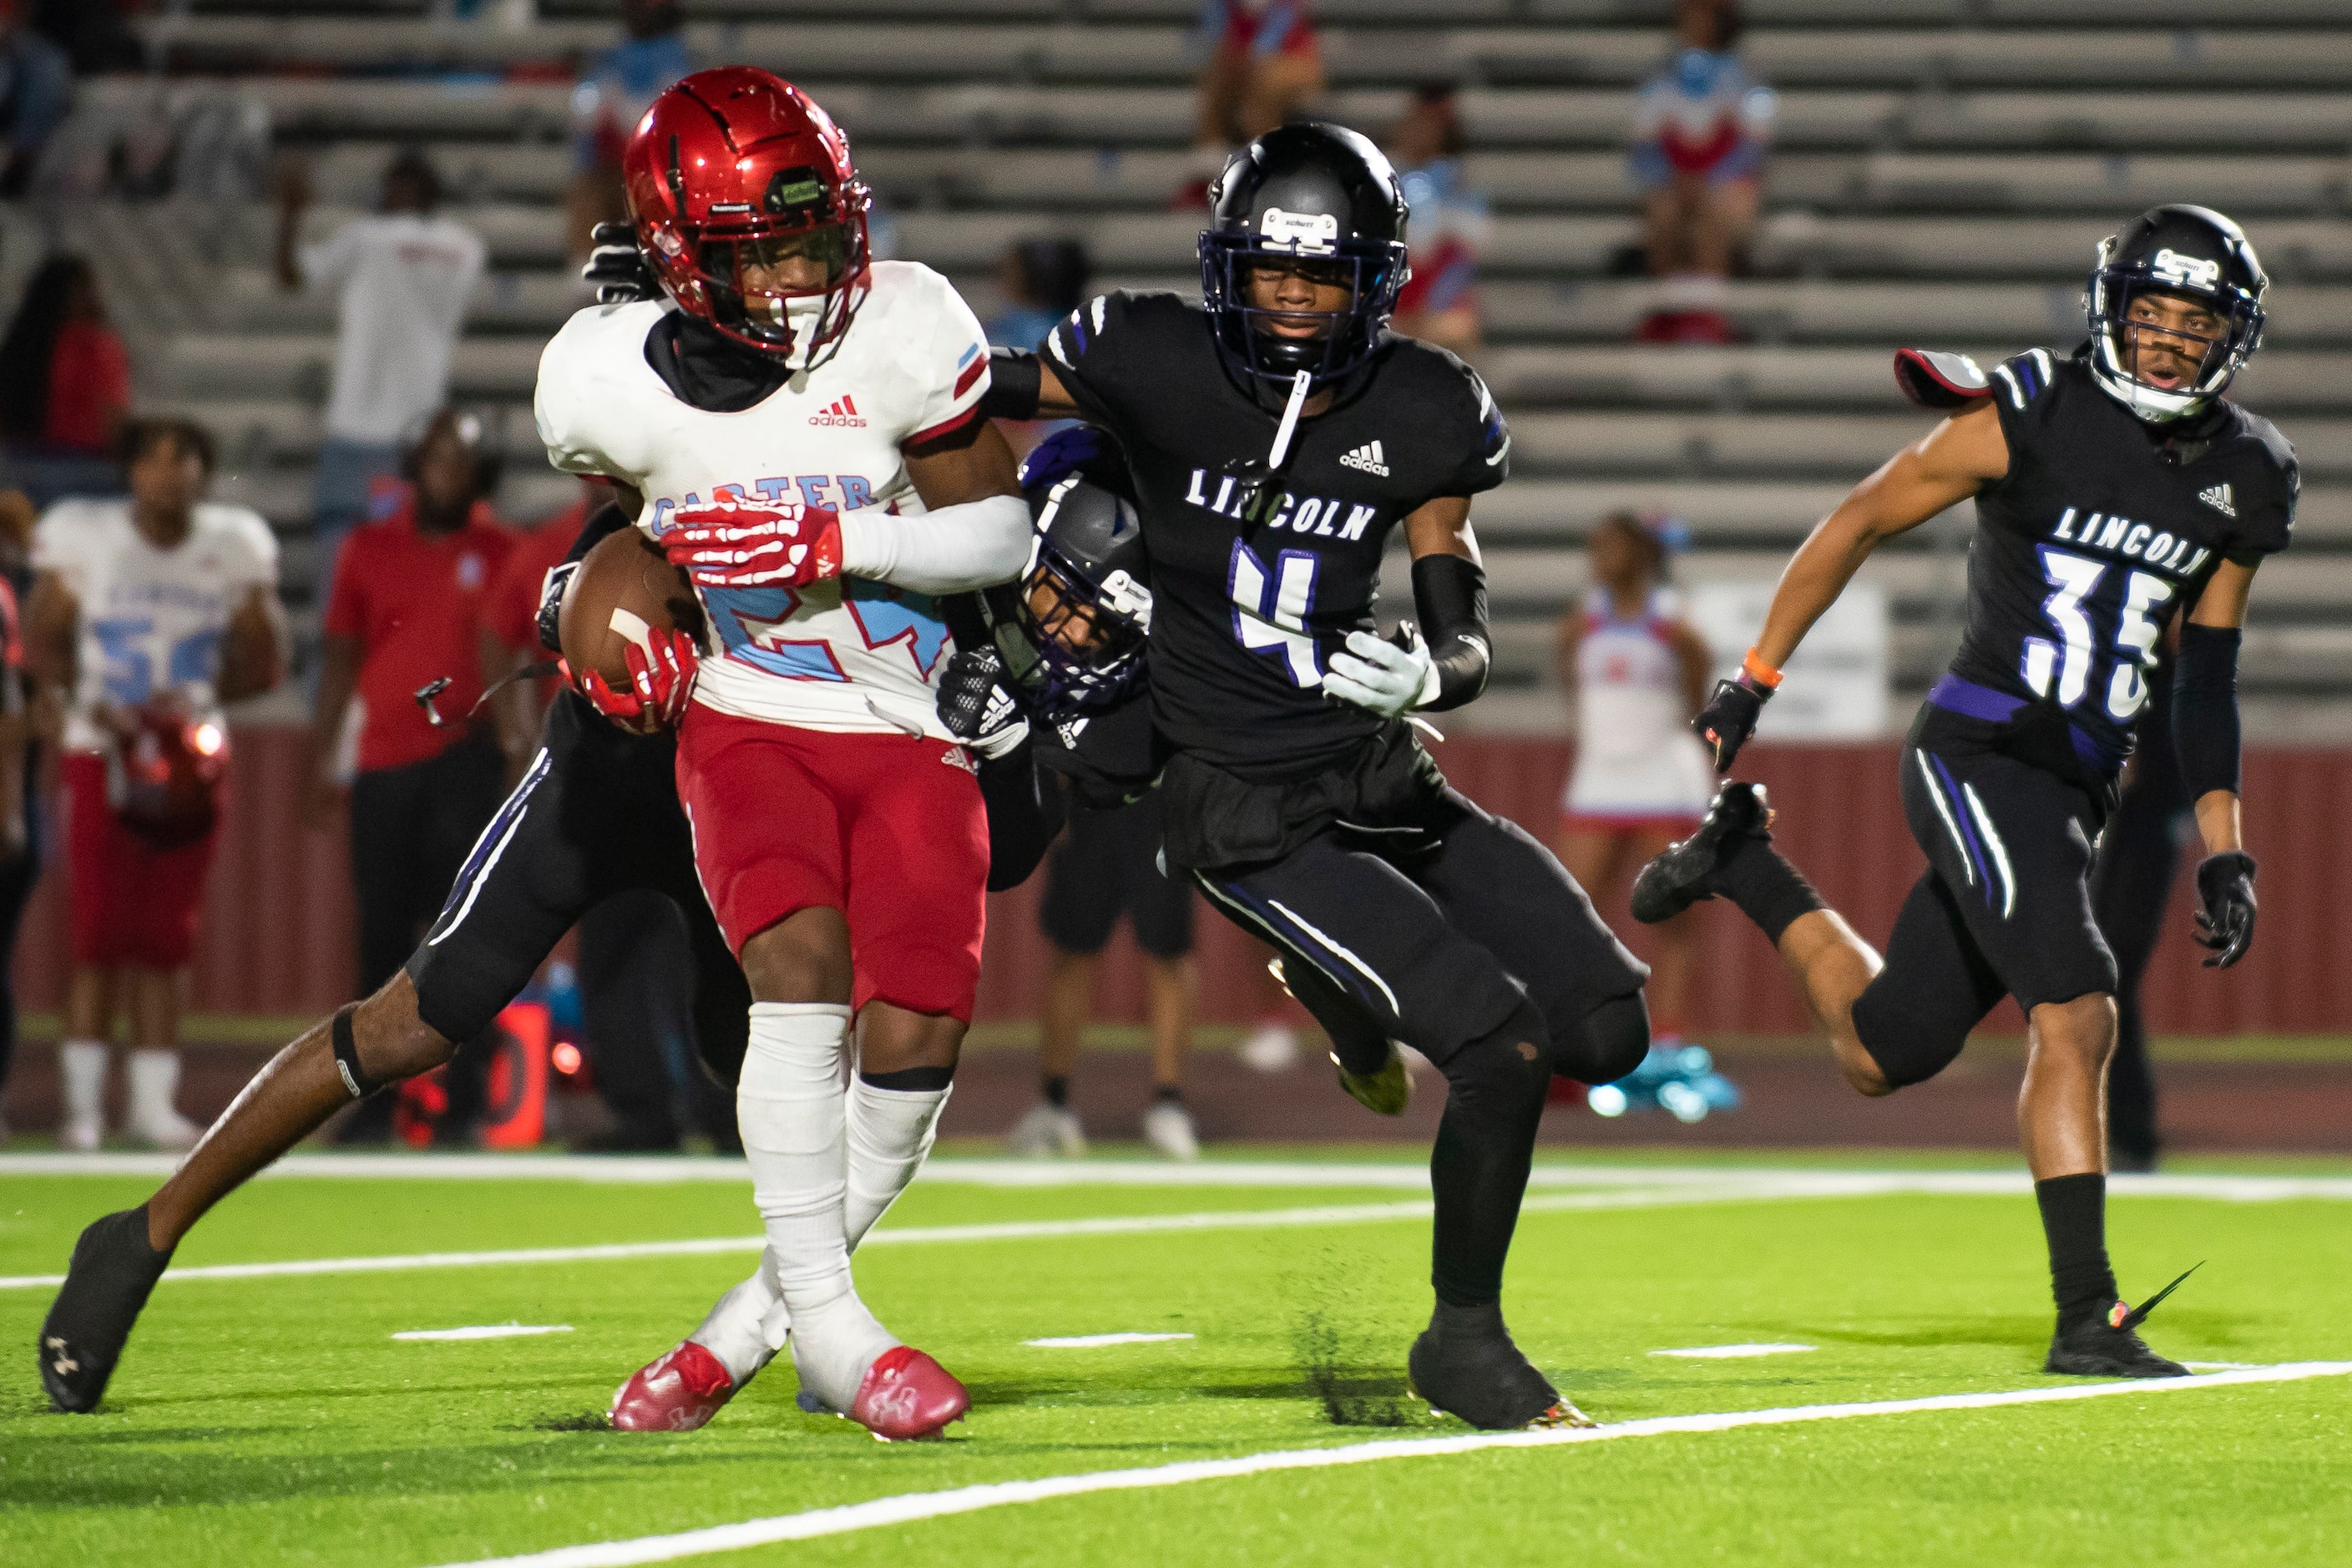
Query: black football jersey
[[2102, 529], [1254, 585]]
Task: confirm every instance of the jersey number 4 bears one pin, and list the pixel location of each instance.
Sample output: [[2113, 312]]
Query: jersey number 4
[[2066, 664], [1270, 610]]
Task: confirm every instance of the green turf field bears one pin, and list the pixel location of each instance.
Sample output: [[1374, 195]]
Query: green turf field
[[274, 1419]]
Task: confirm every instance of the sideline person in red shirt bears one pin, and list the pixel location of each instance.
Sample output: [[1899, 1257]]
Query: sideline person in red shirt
[[410, 593]]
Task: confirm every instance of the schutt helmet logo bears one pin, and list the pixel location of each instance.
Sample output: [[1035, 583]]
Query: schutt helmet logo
[[2171, 267]]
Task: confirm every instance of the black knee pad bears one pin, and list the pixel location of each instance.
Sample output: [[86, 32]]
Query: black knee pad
[[1909, 1044], [1497, 1071], [1607, 1044]]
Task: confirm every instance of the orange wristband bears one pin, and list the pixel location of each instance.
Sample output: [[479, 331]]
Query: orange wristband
[[1761, 673]]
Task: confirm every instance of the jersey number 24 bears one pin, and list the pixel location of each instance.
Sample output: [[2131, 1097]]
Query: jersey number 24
[[2065, 664]]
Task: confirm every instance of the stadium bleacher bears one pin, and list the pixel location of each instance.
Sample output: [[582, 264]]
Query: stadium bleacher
[[1943, 169]]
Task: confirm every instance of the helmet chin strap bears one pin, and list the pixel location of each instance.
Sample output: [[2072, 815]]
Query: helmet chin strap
[[1300, 385]]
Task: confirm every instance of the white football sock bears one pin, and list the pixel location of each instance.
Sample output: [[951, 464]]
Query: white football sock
[[790, 1107], [748, 1326], [82, 1064], [890, 1131]]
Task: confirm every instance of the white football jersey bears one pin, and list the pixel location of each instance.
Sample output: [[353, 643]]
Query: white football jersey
[[845, 654], [151, 620], [1636, 754]]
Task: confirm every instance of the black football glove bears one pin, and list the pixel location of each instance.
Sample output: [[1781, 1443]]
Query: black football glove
[[1729, 718], [975, 706], [2225, 899], [617, 267]]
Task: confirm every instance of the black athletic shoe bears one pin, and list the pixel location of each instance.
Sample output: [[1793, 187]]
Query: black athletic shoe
[[2102, 1344], [1684, 874], [1464, 1364], [113, 1269]]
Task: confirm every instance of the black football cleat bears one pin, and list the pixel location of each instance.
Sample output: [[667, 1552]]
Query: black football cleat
[[1684, 874], [2103, 1345], [113, 1269], [1464, 1364]]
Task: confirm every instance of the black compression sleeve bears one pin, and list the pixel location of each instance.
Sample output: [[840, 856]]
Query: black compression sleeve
[[1012, 385], [604, 522], [2205, 708], [1451, 594]]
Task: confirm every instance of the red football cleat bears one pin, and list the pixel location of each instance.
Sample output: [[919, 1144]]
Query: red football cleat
[[678, 1393], [908, 1394]]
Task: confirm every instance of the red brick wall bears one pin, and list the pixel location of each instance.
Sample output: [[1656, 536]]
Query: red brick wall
[[278, 929]]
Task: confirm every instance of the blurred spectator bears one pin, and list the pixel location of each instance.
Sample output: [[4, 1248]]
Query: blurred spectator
[[408, 600], [1700, 127], [636, 960], [20, 823], [615, 90], [148, 615], [1109, 863], [1262, 64], [65, 386], [1449, 225], [35, 91], [1638, 673], [1041, 281], [95, 34], [404, 277]]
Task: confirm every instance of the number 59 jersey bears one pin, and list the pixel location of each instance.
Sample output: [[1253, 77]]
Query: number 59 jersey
[[151, 621], [2102, 530], [845, 654]]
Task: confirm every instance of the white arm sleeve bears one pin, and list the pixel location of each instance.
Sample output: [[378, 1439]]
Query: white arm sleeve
[[950, 550]]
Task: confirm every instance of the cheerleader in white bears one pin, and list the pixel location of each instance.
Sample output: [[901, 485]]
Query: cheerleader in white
[[1638, 674]]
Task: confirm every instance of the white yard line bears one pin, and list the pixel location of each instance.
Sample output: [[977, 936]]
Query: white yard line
[[907, 1236], [913, 1507], [485, 1331], [1090, 1341], [660, 1170], [1619, 1188], [1732, 1352]]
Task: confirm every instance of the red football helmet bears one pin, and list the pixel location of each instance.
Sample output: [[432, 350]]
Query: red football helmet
[[735, 169]]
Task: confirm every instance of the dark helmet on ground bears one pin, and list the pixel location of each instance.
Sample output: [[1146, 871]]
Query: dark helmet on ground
[[1082, 609], [2190, 253], [1321, 199]]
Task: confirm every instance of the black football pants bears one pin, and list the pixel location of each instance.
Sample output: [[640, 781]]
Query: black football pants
[[595, 815], [410, 826], [1462, 937], [2131, 889]]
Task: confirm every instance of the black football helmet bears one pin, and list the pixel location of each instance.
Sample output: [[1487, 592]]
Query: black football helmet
[[1072, 629], [2192, 253], [1320, 197]]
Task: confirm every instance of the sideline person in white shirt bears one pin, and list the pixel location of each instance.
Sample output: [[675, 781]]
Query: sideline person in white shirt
[[404, 277], [147, 614]]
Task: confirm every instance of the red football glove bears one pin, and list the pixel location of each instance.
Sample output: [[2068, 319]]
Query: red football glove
[[737, 545], [660, 684]]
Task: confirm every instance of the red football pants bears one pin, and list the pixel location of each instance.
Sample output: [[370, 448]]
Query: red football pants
[[888, 829]]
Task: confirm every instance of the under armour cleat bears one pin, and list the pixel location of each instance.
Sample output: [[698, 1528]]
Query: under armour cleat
[[1684, 874], [679, 1391], [107, 1283], [2105, 1345], [908, 1394], [1464, 1364], [1383, 1093]]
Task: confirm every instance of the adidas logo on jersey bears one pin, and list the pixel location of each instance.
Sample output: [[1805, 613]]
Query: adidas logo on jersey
[[1368, 457], [843, 412], [2218, 497]]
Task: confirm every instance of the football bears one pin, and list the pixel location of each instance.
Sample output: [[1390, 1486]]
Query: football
[[625, 588]]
